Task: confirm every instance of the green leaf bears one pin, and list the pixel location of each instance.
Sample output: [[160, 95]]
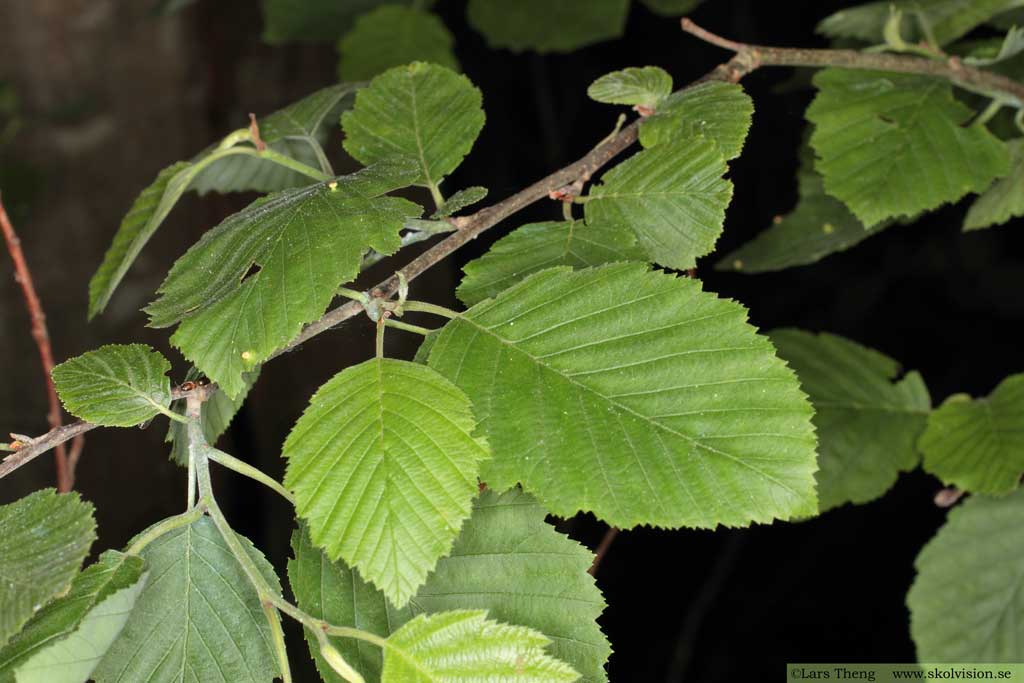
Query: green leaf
[[645, 86], [1005, 199], [313, 20], [215, 414], [867, 423], [547, 25], [383, 464], [331, 591], [978, 445], [460, 200], [64, 642], [296, 131], [421, 110], [894, 144], [671, 8], [391, 36], [721, 112], [947, 19], [46, 537], [147, 213], [118, 385], [506, 560], [820, 225], [636, 396], [305, 242], [198, 618], [467, 646], [967, 602], [1010, 46], [673, 197], [537, 246]]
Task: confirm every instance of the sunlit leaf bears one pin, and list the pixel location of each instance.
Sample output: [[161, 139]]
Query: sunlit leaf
[[645, 86], [719, 111]]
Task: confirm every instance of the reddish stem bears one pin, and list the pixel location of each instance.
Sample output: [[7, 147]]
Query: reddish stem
[[602, 548], [23, 276]]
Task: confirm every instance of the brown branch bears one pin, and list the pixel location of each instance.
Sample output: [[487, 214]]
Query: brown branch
[[23, 276], [951, 68], [602, 549]]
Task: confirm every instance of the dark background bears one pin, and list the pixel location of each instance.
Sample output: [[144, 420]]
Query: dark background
[[111, 94]]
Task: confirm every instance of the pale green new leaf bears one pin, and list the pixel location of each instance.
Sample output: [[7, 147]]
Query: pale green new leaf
[[384, 468], [673, 196], [118, 385], [967, 602], [721, 112], [507, 560], [391, 36], [820, 225], [468, 647], [671, 8], [460, 200], [424, 111], [215, 414], [537, 246], [1005, 199], [1010, 46], [946, 19], [198, 618], [64, 642], [547, 25], [645, 86], [298, 131], [305, 242], [978, 445], [295, 131], [45, 538], [867, 423], [893, 145], [636, 396]]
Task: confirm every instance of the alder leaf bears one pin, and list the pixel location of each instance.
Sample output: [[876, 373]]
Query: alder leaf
[[295, 131], [45, 538], [384, 467], [215, 414], [645, 86], [65, 640], [820, 225], [547, 25], [978, 445], [507, 560], [1005, 199], [967, 601], [467, 646], [947, 20], [117, 385], [460, 200], [198, 618], [893, 145], [305, 244], [867, 423], [314, 20], [672, 196], [636, 396], [537, 246], [393, 35], [298, 131], [671, 8], [146, 214], [721, 112], [425, 111]]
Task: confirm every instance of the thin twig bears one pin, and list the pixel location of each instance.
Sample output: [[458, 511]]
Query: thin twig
[[23, 276], [602, 548], [951, 68]]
